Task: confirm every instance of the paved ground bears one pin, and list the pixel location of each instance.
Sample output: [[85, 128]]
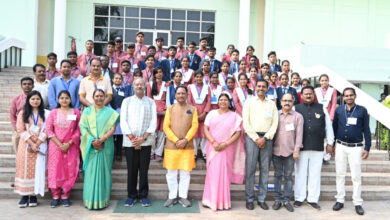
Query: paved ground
[[374, 211]]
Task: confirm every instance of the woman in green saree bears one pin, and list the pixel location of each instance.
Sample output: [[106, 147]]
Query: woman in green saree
[[97, 125]]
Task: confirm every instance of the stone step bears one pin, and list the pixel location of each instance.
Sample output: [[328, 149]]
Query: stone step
[[4, 116], [5, 126], [6, 148], [5, 136], [237, 192], [157, 176]]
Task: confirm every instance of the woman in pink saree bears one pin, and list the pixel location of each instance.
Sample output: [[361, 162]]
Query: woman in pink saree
[[225, 154], [64, 149]]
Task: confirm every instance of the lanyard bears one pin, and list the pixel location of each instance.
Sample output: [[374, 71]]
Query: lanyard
[[75, 69], [87, 59], [48, 74], [127, 79], [35, 120], [351, 113], [253, 82], [213, 89], [323, 93], [139, 49], [149, 75], [112, 61], [160, 54], [199, 90], [244, 91], [172, 63], [191, 59], [66, 84], [206, 78], [212, 65], [203, 53], [184, 70]]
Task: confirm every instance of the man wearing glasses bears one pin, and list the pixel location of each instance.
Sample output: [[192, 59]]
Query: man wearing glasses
[[317, 126], [288, 142]]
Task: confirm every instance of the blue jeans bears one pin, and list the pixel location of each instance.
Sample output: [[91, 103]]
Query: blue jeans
[[253, 155], [284, 167]]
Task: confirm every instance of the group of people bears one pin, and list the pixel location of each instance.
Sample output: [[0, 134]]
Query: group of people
[[171, 104]]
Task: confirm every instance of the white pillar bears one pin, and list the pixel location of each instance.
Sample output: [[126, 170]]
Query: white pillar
[[59, 29], [244, 22]]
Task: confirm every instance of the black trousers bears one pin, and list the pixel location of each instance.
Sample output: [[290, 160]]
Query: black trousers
[[118, 141], [137, 160]]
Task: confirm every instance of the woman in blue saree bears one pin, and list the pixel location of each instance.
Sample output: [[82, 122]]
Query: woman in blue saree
[[97, 125]]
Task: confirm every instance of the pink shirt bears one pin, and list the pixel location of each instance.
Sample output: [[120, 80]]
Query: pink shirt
[[140, 51], [17, 105], [132, 60], [181, 53], [226, 57], [76, 73], [201, 53], [52, 75], [83, 62], [114, 63], [160, 54], [147, 74], [289, 135], [118, 54]]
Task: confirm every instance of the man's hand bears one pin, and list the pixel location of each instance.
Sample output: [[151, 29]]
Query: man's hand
[[330, 150], [180, 144], [365, 154], [296, 155], [260, 142]]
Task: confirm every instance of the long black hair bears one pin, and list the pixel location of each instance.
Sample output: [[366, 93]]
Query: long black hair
[[68, 94], [250, 92], [231, 107], [28, 109], [154, 86]]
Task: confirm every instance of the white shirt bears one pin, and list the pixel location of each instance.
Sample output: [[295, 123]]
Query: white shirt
[[138, 116], [43, 88], [106, 74]]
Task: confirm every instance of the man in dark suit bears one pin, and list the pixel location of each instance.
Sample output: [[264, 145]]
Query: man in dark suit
[[194, 59], [151, 51], [106, 71], [215, 65], [274, 67], [285, 88], [170, 65]]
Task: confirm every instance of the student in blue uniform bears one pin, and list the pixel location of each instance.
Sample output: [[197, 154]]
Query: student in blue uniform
[[118, 94], [171, 64], [194, 59]]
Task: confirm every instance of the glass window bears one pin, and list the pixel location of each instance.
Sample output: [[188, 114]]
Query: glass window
[[116, 11], [100, 49], [132, 12], [116, 22], [148, 40], [132, 23], [147, 13], [101, 21], [130, 36], [210, 39], [193, 15], [101, 34], [101, 10], [116, 33], [147, 24], [164, 13], [175, 35], [192, 37], [179, 14], [208, 27], [208, 16], [179, 25], [193, 26], [163, 25]]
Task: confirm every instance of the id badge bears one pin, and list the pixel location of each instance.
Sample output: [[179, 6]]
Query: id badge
[[115, 65], [135, 66], [199, 100], [143, 53], [324, 101], [214, 99], [71, 117], [270, 97], [121, 93], [352, 121], [138, 55], [290, 127], [163, 58], [34, 129]]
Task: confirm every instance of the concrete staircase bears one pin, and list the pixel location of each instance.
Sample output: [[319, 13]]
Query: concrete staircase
[[376, 170]]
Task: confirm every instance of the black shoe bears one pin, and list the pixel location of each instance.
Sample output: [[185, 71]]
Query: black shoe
[[298, 204], [337, 206], [55, 203], [33, 201], [314, 205], [276, 205], [263, 205], [359, 210], [118, 158], [288, 206], [325, 162], [249, 205], [23, 202]]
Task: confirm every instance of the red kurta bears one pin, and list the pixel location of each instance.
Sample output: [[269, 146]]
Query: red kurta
[[204, 107]]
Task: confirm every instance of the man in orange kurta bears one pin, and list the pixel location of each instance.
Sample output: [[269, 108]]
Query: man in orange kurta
[[180, 126]]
